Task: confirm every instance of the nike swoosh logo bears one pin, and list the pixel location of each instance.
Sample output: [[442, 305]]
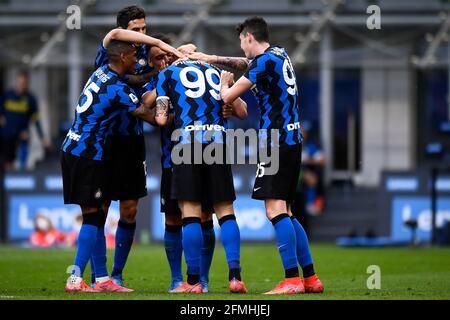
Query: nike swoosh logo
[[256, 189], [282, 246]]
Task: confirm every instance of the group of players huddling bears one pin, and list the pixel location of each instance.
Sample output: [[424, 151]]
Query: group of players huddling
[[142, 78]]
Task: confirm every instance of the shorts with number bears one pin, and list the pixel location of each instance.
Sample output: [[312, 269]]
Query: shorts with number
[[283, 184]]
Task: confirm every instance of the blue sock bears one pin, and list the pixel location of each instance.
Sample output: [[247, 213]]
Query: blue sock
[[99, 255], [174, 251], [192, 245], [287, 245], [124, 240], [231, 240], [303, 253], [86, 243], [209, 243]]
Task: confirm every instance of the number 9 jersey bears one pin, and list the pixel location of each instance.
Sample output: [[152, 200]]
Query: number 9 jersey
[[275, 89], [193, 88], [103, 97]]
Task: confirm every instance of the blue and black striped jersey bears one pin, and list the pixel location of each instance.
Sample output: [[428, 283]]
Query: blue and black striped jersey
[[104, 96], [166, 132], [276, 92], [193, 88], [141, 55], [125, 124]]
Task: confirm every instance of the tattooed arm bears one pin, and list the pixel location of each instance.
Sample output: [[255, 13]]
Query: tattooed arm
[[145, 113], [162, 110], [236, 63]]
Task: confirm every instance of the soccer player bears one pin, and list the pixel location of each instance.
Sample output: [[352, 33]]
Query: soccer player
[[159, 59], [272, 79], [173, 223], [104, 96], [192, 88], [125, 149], [18, 108]]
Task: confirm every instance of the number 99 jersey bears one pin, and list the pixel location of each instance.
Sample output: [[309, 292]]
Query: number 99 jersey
[[193, 88], [276, 92], [103, 97]]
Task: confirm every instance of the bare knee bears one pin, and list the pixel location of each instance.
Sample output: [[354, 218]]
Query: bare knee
[[128, 210], [275, 207]]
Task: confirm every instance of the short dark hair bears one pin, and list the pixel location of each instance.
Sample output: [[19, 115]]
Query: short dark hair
[[116, 48], [127, 14], [162, 37], [22, 72], [257, 26]]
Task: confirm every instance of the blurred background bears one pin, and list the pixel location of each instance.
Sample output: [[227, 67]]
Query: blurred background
[[375, 113]]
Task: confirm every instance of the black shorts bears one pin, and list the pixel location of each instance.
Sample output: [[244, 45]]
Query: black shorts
[[125, 167], [205, 183], [283, 184], [83, 180], [168, 205]]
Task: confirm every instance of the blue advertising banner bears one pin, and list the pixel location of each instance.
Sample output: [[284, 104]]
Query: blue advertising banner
[[24, 208], [417, 208], [250, 216]]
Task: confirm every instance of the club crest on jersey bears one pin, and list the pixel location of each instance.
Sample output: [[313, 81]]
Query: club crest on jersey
[[142, 62], [98, 194]]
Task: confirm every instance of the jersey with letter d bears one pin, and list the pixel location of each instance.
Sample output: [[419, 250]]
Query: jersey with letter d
[[276, 92]]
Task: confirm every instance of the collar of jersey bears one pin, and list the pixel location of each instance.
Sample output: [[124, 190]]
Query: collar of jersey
[[112, 71]]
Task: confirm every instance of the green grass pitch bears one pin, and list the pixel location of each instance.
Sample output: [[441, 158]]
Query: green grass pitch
[[406, 273]]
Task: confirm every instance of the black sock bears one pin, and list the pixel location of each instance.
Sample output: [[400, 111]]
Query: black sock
[[308, 271], [234, 273], [193, 279], [291, 273]]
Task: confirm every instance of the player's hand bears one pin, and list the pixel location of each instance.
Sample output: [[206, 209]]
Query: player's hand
[[178, 54], [24, 136], [2, 121], [227, 110], [201, 57], [46, 143], [227, 77], [187, 49]]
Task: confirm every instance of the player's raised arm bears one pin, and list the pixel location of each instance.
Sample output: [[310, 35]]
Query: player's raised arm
[[137, 37], [237, 63]]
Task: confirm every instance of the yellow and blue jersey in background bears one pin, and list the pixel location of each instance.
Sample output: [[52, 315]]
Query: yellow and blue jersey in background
[[18, 111]]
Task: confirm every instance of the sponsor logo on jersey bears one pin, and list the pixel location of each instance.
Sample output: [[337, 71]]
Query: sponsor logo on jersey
[[73, 136]]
